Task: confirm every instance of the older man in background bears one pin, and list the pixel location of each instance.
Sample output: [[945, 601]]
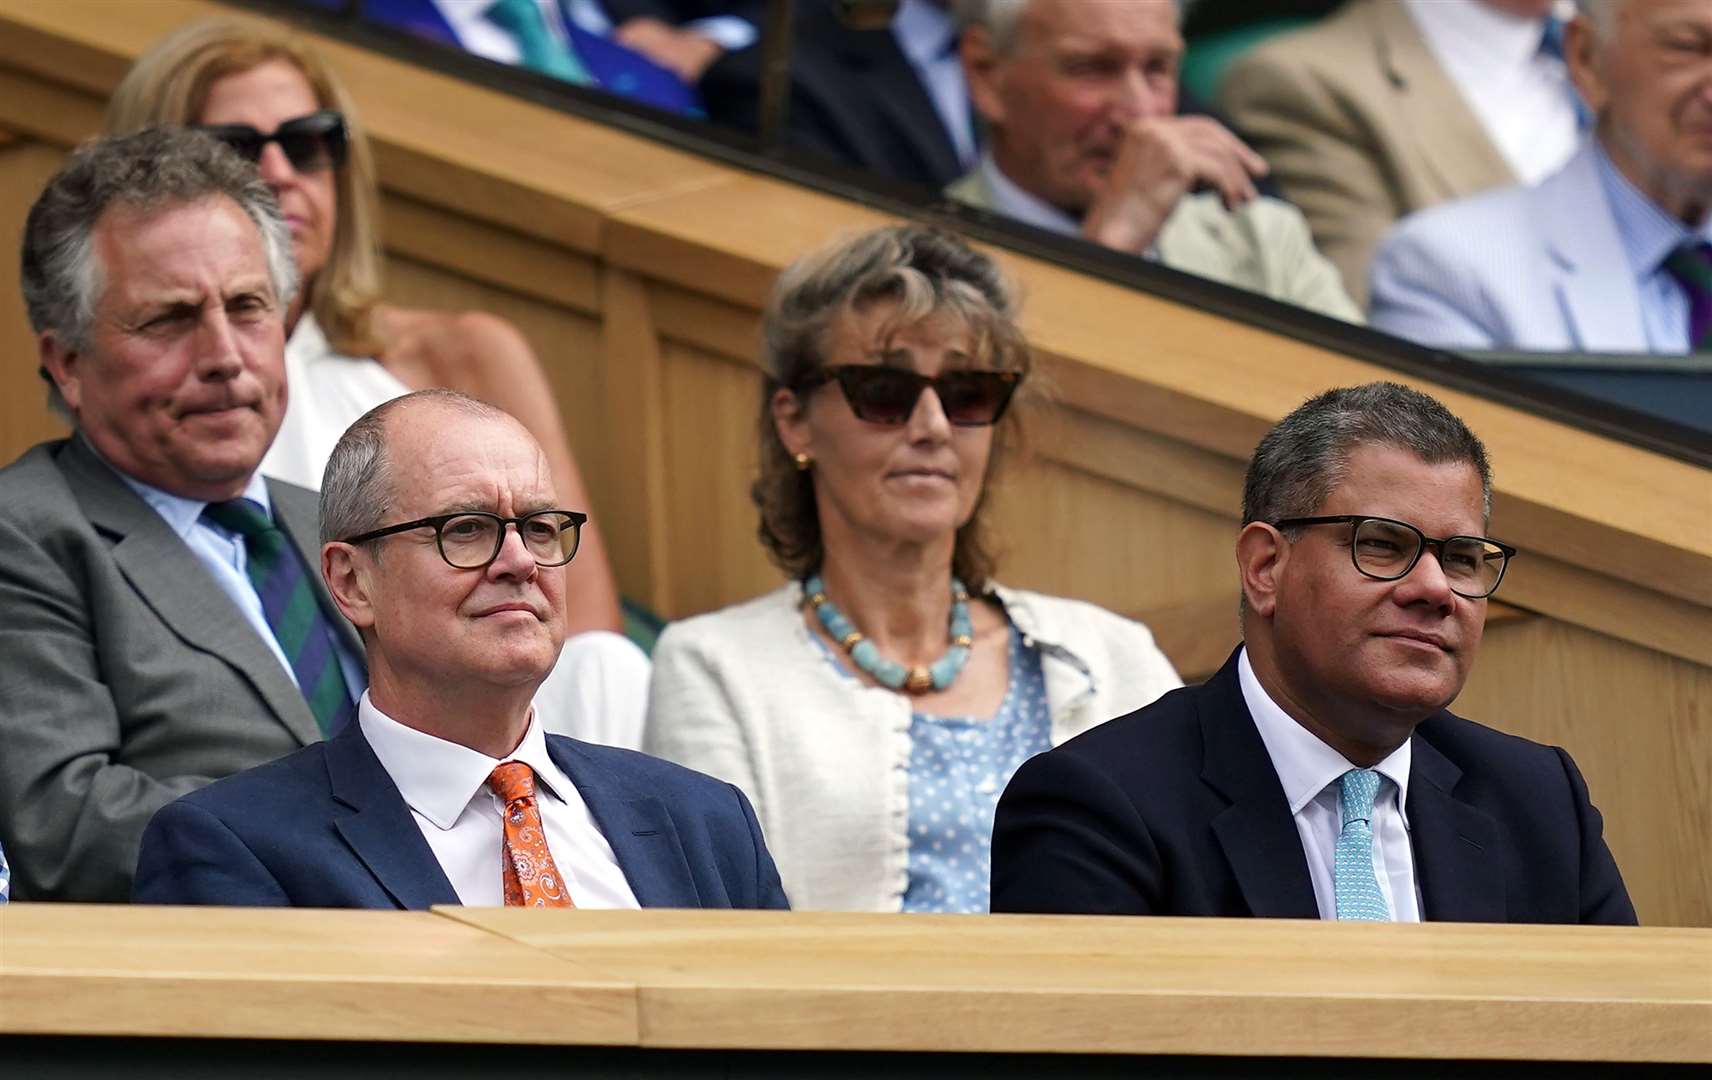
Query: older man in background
[[161, 626], [1392, 106], [1083, 138], [1611, 254], [445, 544]]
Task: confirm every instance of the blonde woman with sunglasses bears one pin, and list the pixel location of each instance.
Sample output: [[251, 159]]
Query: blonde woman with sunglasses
[[874, 707], [268, 95]]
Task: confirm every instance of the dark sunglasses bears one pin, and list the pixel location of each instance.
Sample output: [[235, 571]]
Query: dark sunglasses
[[311, 143], [888, 395]]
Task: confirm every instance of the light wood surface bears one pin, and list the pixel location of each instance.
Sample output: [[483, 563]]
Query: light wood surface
[[783, 981], [637, 272], [1155, 986], [281, 974]]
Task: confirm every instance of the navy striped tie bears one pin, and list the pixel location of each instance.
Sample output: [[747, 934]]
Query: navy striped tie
[[303, 631]]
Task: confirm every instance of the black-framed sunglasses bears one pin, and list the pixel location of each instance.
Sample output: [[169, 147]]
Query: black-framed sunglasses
[[1387, 549], [311, 143], [471, 539], [887, 395]]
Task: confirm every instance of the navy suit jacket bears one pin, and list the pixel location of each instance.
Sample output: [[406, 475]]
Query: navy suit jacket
[[1175, 809], [326, 827]]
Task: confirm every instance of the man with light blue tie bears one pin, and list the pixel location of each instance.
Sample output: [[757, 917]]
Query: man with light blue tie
[[1318, 774], [1610, 254], [5, 878], [162, 627]]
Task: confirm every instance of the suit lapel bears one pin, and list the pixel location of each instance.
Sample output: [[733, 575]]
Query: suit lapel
[[298, 510], [1573, 214], [1455, 844], [171, 579], [875, 57], [637, 825], [1256, 831], [380, 830], [1448, 137]]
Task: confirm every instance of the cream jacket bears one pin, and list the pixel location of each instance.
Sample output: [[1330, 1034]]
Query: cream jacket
[[746, 694]]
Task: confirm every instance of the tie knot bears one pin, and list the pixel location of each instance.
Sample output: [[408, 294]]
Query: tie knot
[[243, 516], [1691, 265], [1357, 787], [511, 781], [515, 15]]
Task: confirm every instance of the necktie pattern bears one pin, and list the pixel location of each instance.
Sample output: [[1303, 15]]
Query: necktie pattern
[[541, 50], [5, 879], [1691, 266], [303, 631], [531, 878], [1353, 880]]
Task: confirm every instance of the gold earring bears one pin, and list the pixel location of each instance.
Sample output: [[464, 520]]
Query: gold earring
[[802, 460]]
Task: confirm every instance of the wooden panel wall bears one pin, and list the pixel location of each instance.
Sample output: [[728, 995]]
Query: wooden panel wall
[[637, 274]]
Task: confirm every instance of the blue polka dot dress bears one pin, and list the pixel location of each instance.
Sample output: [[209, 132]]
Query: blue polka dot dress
[[958, 767]]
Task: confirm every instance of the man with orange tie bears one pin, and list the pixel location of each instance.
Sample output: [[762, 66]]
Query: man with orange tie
[[444, 544]]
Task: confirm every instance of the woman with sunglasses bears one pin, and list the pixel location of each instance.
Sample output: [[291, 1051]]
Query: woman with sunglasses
[[267, 94], [874, 708]]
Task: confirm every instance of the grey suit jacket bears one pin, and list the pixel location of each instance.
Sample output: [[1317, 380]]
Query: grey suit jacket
[[1264, 247], [1361, 126], [127, 676]]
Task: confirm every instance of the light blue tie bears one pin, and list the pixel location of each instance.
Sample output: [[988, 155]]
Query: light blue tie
[[1357, 890], [541, 50], [5, 879]]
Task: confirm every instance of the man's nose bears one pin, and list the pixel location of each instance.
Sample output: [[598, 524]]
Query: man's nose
[[217, 354], [1136, 97], [515, 562], [1426, 581]]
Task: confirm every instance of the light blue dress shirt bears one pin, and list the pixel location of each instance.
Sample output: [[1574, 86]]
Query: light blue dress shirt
[[223, 553], [1649, 235]]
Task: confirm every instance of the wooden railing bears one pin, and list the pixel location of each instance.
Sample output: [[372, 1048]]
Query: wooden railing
[[637, 270]]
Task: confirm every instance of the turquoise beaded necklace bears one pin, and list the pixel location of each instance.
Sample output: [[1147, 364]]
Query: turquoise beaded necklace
[[889, 673]]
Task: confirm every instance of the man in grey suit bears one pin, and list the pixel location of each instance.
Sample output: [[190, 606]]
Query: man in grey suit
[[161, 628], [1083, 138]]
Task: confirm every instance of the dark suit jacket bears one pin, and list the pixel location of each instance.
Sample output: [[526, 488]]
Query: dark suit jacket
[[854, 99], [127, 677], [326, 827], [1175, 810]]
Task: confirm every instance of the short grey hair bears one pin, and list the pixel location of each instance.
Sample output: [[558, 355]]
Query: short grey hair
[[1306, 455], [357, 493], [1001, 18], [149, 171]]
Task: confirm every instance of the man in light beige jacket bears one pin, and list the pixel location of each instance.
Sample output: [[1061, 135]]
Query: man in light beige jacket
[[1083, 138]]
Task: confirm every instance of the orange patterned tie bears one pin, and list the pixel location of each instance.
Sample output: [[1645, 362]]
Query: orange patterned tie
[[531, 879]]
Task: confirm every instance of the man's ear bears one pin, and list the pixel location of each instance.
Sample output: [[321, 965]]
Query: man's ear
[[1581, 53], [1261, 554], [790, 422], [63, 366], [347, 573], [981, 67]]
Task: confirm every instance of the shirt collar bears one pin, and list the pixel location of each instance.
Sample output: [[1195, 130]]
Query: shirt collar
[[437, 777], [1649, 234], [182, 514], [1025, 207], [1478, 33], [1305, 765], [925, 32]]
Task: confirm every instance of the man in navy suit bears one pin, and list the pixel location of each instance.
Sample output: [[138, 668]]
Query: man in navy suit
[[1318, 774], [443, 543]]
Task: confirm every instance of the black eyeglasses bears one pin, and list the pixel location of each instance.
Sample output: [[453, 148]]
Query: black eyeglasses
[[887, 395], [1387, 550], [470, 540], [311, 143]]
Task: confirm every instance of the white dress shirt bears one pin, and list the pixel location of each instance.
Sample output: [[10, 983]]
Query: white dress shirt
[[1521, 96], [445, 784], [1308, 769]]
